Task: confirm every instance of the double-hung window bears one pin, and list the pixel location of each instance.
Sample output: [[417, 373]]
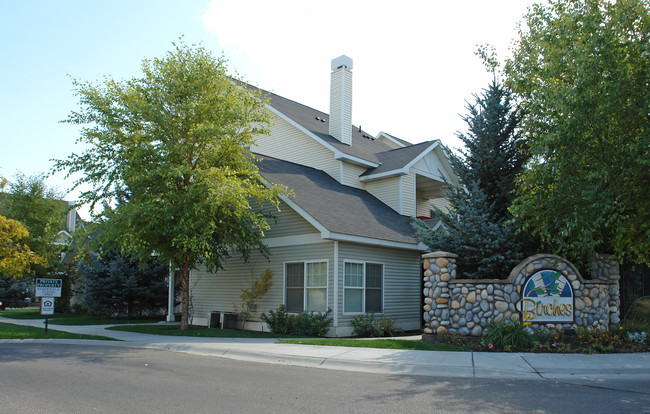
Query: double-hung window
[[306, 286], [363, 287]]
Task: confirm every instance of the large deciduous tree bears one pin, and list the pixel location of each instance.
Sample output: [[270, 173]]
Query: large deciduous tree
[[41, 213], [581, 71], [478, 225], [174, 143], [16, 258]]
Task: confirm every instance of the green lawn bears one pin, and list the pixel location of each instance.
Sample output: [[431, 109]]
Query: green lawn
[[174, 330], [69, 319], [376, 343], [11, 331]]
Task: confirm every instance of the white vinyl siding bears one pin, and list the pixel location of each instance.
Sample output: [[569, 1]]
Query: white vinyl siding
[[401, 283], [408, 195], [386, 190], [425, 205], [351, 175], [288, 143], [429, 165]]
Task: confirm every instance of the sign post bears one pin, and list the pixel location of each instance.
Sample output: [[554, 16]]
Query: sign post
[[47, 308], [47, 290]]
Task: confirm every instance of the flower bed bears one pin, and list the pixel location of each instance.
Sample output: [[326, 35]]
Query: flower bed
[[514, 336]]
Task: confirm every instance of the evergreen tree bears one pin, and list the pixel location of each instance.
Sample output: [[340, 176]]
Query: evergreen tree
[[478, 226], [119, 286]]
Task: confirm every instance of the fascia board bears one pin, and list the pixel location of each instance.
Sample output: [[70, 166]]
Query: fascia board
[[429, 149], [401, 171], [390, 138], [387, 174], [374, 242], [338, 154]]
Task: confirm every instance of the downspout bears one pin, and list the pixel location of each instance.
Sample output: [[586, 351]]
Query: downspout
[[170, 297], [336, 284]]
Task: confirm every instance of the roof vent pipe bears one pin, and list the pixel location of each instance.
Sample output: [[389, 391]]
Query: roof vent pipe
[[341, 99]]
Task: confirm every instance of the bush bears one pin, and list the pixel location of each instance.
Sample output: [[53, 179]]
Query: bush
[[306, 323], [508, 335], [14, 292], [279, 321], [367, 326], [312, 323]]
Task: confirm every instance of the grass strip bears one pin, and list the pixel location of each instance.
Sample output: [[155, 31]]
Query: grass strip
[[11, 331], [200, 331], [68, 318], [376, 343]]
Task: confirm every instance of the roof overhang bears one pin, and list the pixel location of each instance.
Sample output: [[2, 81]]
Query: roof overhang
[[404, 170], [329, 235]]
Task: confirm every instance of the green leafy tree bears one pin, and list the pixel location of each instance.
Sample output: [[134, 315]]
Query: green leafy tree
[[175, 143], [16, 258], [478, 225], [42, 212], [580, 70]]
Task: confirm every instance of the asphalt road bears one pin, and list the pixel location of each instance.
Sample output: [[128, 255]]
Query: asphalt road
[[55, 378]]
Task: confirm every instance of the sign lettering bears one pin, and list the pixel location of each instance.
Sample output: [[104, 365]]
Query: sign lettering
[[547, 297]]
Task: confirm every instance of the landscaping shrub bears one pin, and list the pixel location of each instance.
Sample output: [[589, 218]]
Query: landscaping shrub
[[508, 335], [279, 321], [306, 323], [312, 323], [366, 325]]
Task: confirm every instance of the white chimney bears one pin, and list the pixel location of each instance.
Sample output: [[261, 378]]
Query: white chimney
[[341, 99]]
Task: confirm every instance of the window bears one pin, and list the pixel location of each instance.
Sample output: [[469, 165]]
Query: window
[[363, 284], [306, 286]]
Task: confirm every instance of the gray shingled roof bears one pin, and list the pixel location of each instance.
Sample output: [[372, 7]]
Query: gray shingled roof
[[364, 146], [397, 158], [338, 208]]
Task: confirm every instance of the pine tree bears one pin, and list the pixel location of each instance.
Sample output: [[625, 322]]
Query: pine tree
[[120, 286], [478, 226]]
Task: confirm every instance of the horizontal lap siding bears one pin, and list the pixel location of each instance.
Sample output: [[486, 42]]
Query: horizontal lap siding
[[220, 291], [401, 281], [286, 142], [287, 223], [387, 190], [351, 175], [408, 195]]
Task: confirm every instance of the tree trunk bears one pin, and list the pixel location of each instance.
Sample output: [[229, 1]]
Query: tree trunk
[[185, 295]]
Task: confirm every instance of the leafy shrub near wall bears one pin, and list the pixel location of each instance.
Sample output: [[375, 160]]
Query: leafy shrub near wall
[[306, 323], [507, 335], [367, 326]]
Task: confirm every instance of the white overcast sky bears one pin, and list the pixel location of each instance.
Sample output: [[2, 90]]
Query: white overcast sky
[[414, 61]]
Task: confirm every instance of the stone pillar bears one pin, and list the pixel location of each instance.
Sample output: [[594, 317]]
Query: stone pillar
[[439, 269], [606, 267]]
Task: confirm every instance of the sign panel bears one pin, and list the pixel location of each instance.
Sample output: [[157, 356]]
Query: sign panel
[[547, 297], [49, 287], [47, 306]]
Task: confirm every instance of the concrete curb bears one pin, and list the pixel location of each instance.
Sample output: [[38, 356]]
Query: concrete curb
[[518, 366]]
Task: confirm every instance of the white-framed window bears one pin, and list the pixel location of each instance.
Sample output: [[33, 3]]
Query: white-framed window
[[363, 287], [306, 286]]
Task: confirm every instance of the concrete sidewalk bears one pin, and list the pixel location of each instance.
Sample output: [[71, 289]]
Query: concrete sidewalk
[[528, 366]]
